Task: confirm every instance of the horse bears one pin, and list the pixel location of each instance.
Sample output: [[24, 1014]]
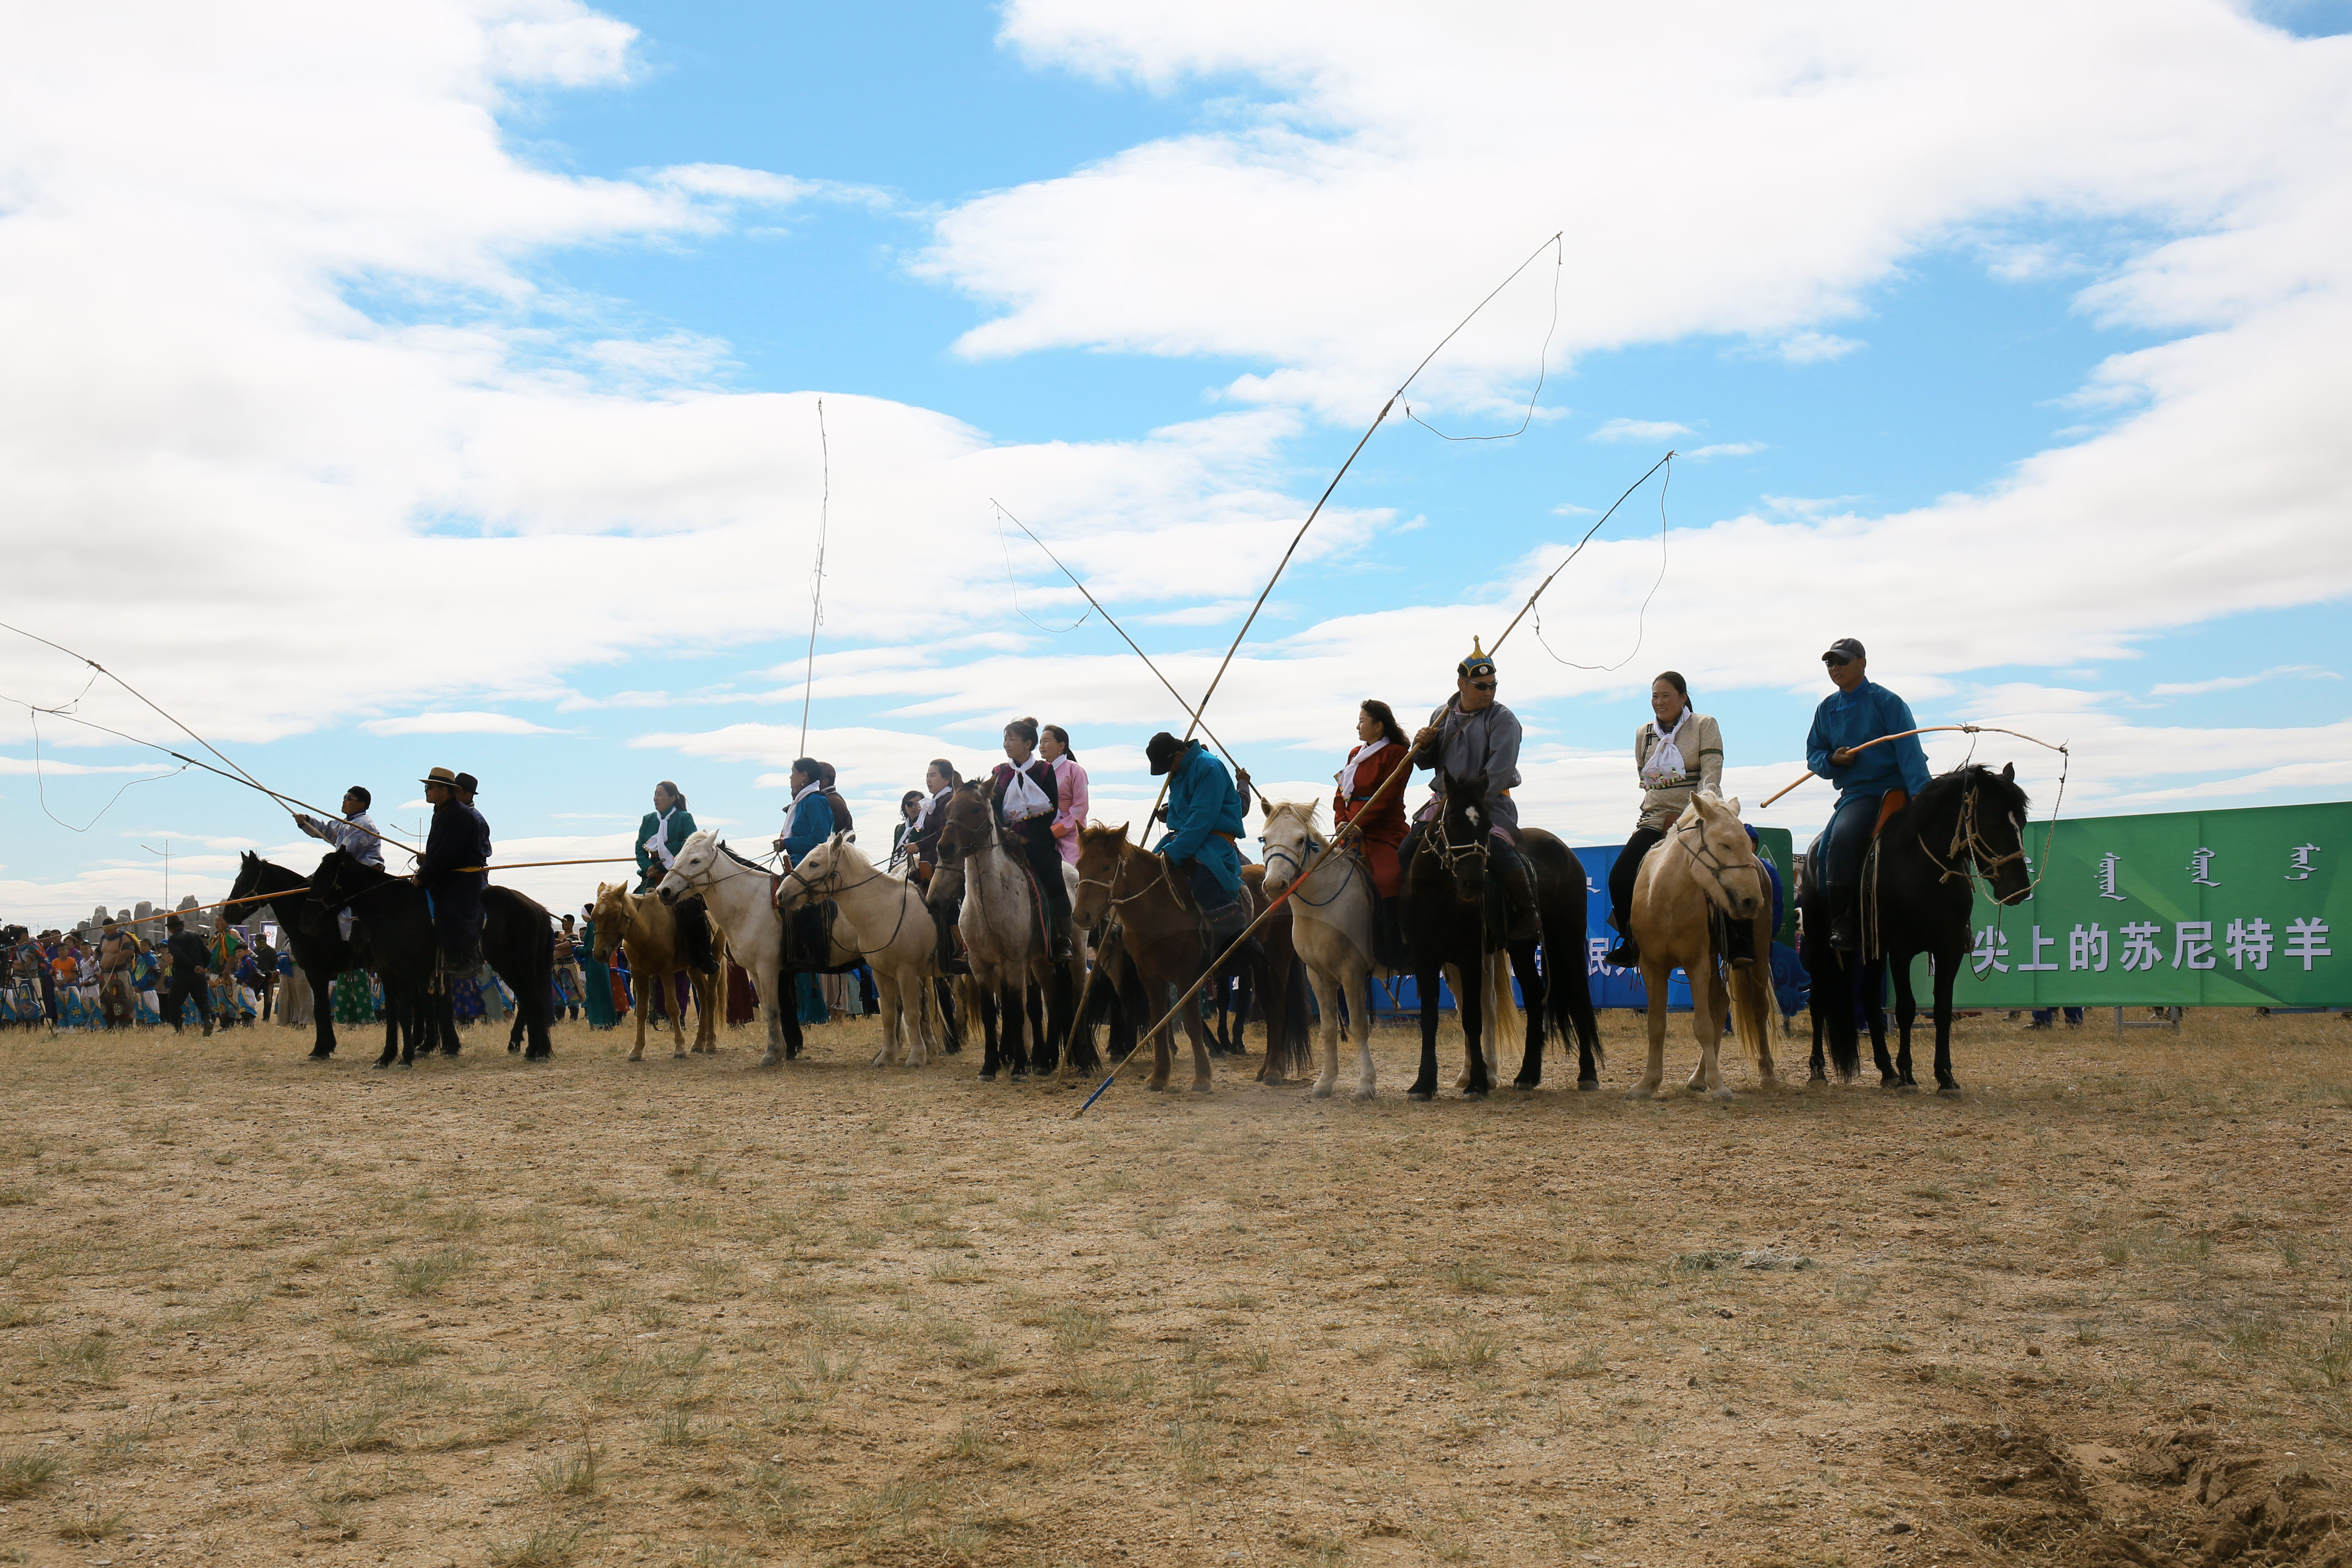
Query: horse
[[1446, 919], [1332, 923], [1917, 896], [1703, 871], [399, 927], [740, 893], [882, 907], [1003, 932], [312, 933], [647, 927]]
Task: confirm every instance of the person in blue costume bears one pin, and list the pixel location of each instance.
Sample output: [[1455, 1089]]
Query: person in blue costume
[[1872, 785], [808, 820], [1204, 830]]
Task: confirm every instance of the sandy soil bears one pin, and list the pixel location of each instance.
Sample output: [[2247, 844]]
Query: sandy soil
[[2099, 1310]]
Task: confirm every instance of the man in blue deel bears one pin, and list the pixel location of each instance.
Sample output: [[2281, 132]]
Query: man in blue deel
[[1870, 784], [1204, 828]]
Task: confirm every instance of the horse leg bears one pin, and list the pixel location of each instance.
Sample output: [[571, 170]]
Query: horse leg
[[1197, 1031], [1906, 1014], [1820, 1073], [1427, 976], [1533, 989], [985, 997], [1472, 1002], [1326, 1032], [787, 1021], [1707, 1014], [394, 1003], [1654, 984], [640, 983], [1874, 982], [1947, 969], [322, 1017], [665, 992], [1016, 1023]]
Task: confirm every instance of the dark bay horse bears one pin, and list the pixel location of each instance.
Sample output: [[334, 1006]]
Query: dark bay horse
[[515, 942], [1448, 920], [1917, 898], [310, 929]]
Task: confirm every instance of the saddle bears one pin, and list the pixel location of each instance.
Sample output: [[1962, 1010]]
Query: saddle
[[808, 941]]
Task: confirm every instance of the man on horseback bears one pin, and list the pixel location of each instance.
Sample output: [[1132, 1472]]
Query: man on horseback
[[355, 836], [1473, 736], [1204, 831], [1872, 784], [453, 873]]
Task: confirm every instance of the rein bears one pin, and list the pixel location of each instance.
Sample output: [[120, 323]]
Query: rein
[[1349, 865], [828, 889], [1709, 861]]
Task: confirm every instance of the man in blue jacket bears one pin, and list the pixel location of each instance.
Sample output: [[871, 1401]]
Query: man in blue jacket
[[1204, 828], [1859, 710]]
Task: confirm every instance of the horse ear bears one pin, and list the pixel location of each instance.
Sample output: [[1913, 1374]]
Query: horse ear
[[1122, 829], [2008, 773], [1733, 804]]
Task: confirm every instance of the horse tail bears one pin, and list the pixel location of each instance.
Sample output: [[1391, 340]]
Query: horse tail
[[1751, 1020], [1503, 1020], [1289, 1052]]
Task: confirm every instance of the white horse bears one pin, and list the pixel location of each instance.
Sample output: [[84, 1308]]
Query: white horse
[[1331, 926], [892, 928], [735, 891], [1704, 862]]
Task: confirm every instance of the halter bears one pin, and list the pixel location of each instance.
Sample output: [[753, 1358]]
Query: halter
[[1351, 863], [828, 887], [1967, 836], [1449, 854], [1708, 861], [1160, 876]]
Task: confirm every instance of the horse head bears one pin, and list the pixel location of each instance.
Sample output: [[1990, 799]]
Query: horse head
[[1290, 841], [612, 914], [1995, 821], [338, 880], [1728, 872], [968, 821], [1100, 852], [816, 874], [697, 858], [1460, 835], [249, 876]]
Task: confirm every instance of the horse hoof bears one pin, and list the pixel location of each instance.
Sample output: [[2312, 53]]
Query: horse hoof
[[322, 1055], [677, 1055], [1474, 1094], [1587, 1085], [1720, 1095], [381, 1066], [1906, 1088], [1368, 1092], [1525, 1085], [1948, 1091], [1155, 1089], [537, 1055], [1320, 1091], [1017, 1076], [988, 1075], [1423, 1096], [1204, 1087], [770, 1059]]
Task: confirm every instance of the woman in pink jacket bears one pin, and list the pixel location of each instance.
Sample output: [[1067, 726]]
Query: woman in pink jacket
[[1053, 745]]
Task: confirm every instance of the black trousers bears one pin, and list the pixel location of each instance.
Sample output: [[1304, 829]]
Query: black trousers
[[1035, 838], [457, 924], [181, 988], [1628, 866]]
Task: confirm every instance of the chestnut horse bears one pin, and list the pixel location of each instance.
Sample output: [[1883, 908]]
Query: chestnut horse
[[647, 928]]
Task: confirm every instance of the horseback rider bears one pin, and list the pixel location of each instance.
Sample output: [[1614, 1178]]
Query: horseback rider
[[660, 837], [1204, 828], [1473, 736], [1872, 785], [453, 872], [1677, 752], [355, 836], [808, 820], [1028, 798], [940, 781]]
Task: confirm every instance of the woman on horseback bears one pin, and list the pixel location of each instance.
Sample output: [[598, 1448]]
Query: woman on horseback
[[1677, 752], [1381, 748], [1053, 745], [1028, 798], [660, 837]]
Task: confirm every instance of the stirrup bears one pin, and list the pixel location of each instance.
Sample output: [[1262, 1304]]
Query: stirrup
[[1624, 955]]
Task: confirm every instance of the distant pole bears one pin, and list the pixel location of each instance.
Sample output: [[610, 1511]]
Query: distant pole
[[166, 853], [816, 584]]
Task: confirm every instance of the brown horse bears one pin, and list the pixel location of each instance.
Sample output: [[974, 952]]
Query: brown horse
[[647, 929], [1159, 933]]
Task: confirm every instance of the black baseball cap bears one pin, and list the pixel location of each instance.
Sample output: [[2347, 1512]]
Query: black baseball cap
[[1844, 649]]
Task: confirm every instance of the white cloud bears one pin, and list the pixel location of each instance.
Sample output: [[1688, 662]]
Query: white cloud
[[1810, 347], [2233, 683], [463, 723], [1639, 430], [1726, 449]]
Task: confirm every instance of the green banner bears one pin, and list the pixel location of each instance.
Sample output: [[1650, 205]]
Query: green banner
[[2193, 909]]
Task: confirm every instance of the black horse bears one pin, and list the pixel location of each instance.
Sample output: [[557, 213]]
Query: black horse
[[310, 929], [400, 935], [1917, 892]]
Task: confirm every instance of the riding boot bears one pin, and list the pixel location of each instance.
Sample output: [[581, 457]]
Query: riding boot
[[1740, 944], [1518, 892], [1844, 925], [1388, 935], [1624, 955]]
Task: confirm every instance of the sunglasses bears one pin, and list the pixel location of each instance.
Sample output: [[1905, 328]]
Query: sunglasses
[[1837, 663], [1482, 685]]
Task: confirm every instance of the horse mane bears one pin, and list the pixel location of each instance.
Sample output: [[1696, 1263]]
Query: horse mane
[[1943, 794], [737, 855]]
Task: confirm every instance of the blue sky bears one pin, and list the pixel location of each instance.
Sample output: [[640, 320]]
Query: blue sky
[[446, 393]]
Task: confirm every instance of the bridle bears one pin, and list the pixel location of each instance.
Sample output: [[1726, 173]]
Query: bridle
[[1158, 877], [1351, 863], [1969, 837], [829, 888], [1449, 854], [1711, 863]]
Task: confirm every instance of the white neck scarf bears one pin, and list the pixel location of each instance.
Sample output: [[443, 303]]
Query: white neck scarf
[[1356, 759], [931, 804], [657, 843], [1021, 797], [1665, 760]]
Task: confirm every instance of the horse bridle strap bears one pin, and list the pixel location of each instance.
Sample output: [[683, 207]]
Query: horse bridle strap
[[1965, 836], [1712, 862], [1350, 863]]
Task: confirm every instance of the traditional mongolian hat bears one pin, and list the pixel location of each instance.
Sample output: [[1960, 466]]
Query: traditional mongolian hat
[[440, 776], [1479, 662]]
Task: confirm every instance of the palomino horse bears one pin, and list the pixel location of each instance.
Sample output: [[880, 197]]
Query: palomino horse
[[888, 921], [737, 892], [647, 928], [1917, 898], [1003, 931], [1705, 867], [1331, 925]]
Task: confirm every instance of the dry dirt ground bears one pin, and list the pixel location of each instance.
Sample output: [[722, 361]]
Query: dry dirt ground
[[2099, 1310]]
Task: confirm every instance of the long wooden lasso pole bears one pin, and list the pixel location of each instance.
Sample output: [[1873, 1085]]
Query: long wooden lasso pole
[[1924, 729]]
